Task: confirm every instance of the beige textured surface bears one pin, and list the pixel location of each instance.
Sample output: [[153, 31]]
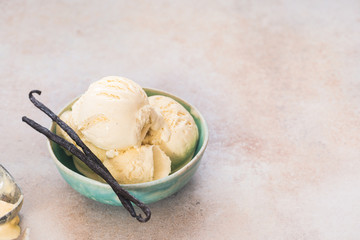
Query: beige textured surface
[[278, 82]]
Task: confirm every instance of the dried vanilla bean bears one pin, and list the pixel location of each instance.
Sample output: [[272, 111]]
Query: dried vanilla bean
[[87, 157], [74, 150]]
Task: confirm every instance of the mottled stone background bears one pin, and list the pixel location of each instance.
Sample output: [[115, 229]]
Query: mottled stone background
[[278, 82]]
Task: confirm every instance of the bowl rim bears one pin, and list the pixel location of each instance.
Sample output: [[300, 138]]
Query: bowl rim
[[180, 171]]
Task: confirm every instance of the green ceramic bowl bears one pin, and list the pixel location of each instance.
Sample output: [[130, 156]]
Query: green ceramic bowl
[[146, 192]]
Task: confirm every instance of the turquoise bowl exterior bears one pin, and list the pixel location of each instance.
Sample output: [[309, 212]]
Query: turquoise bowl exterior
[[148, 192]]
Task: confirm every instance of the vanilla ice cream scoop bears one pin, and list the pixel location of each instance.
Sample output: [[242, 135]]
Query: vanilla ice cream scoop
[[138, 165], [134, 165], [114, 113], [179, 135]]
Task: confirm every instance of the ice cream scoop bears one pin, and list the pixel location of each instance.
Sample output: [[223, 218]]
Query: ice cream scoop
[[179, 136], [134, 165], [138, 165], [114, 113]]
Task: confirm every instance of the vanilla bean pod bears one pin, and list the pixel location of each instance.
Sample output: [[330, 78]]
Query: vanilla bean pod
[[89, 153], [74, 150], [87, 157], [62, 124]]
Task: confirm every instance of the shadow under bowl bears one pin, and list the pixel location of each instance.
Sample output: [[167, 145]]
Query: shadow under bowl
[[147, 192]]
